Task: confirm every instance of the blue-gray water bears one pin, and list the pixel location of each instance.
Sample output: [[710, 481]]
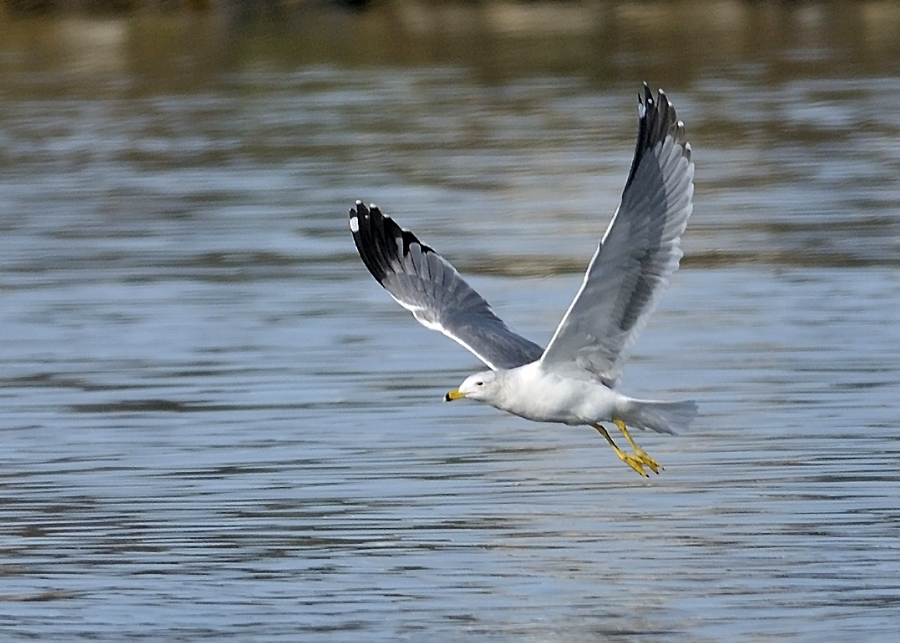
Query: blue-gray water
[[216, 426]]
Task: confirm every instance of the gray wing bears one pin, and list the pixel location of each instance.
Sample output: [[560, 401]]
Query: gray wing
[[424, 283], [638, 253]]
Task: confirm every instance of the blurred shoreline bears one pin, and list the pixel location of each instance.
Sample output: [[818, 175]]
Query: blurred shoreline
[[505, 15], [376, 31]]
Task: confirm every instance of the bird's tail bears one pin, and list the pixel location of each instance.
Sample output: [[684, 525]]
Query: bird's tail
[[662, 417]]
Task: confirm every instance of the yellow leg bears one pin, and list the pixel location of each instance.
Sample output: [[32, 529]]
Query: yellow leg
[[633, 461], [638, 451]]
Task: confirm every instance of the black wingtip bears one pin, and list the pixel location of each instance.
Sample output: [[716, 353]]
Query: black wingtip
[[657, 119], [381, 243], [367, 228]]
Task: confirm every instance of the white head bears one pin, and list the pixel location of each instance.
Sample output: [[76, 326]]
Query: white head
[[482, 386]]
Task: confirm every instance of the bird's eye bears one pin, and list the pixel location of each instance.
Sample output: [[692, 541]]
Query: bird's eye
[[479, 383]]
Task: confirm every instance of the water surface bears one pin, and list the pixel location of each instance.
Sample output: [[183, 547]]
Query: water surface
[[217, 426]]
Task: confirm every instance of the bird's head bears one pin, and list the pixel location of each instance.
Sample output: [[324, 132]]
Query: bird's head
[[481, 387]]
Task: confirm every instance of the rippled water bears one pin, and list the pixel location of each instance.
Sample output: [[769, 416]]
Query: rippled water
[[217, 426]]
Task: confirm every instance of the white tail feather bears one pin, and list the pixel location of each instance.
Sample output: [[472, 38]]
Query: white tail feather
[[662, 417]]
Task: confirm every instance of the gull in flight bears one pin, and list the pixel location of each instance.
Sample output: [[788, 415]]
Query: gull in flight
[[573, 380]]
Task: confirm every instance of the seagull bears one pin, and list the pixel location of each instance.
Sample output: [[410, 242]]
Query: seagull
[[573, 380]]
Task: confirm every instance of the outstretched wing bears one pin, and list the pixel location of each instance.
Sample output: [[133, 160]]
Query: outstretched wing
[[638, 253], [424, 283]]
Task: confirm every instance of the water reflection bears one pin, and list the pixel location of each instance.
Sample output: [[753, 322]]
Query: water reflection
[[216, 425]]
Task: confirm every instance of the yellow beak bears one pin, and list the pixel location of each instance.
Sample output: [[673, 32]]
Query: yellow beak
[[454, 395]]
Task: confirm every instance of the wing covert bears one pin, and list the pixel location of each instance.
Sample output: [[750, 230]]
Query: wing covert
[[639, 251], [424, 283]]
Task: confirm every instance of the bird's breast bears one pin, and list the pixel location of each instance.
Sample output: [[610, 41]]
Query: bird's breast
[[550, 397]]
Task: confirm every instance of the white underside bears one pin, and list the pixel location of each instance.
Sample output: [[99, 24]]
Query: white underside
[[535, 394]]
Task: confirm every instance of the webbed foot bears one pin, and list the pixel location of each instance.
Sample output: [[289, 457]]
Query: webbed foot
[[639, 460], [635, 463], [641, 455]]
